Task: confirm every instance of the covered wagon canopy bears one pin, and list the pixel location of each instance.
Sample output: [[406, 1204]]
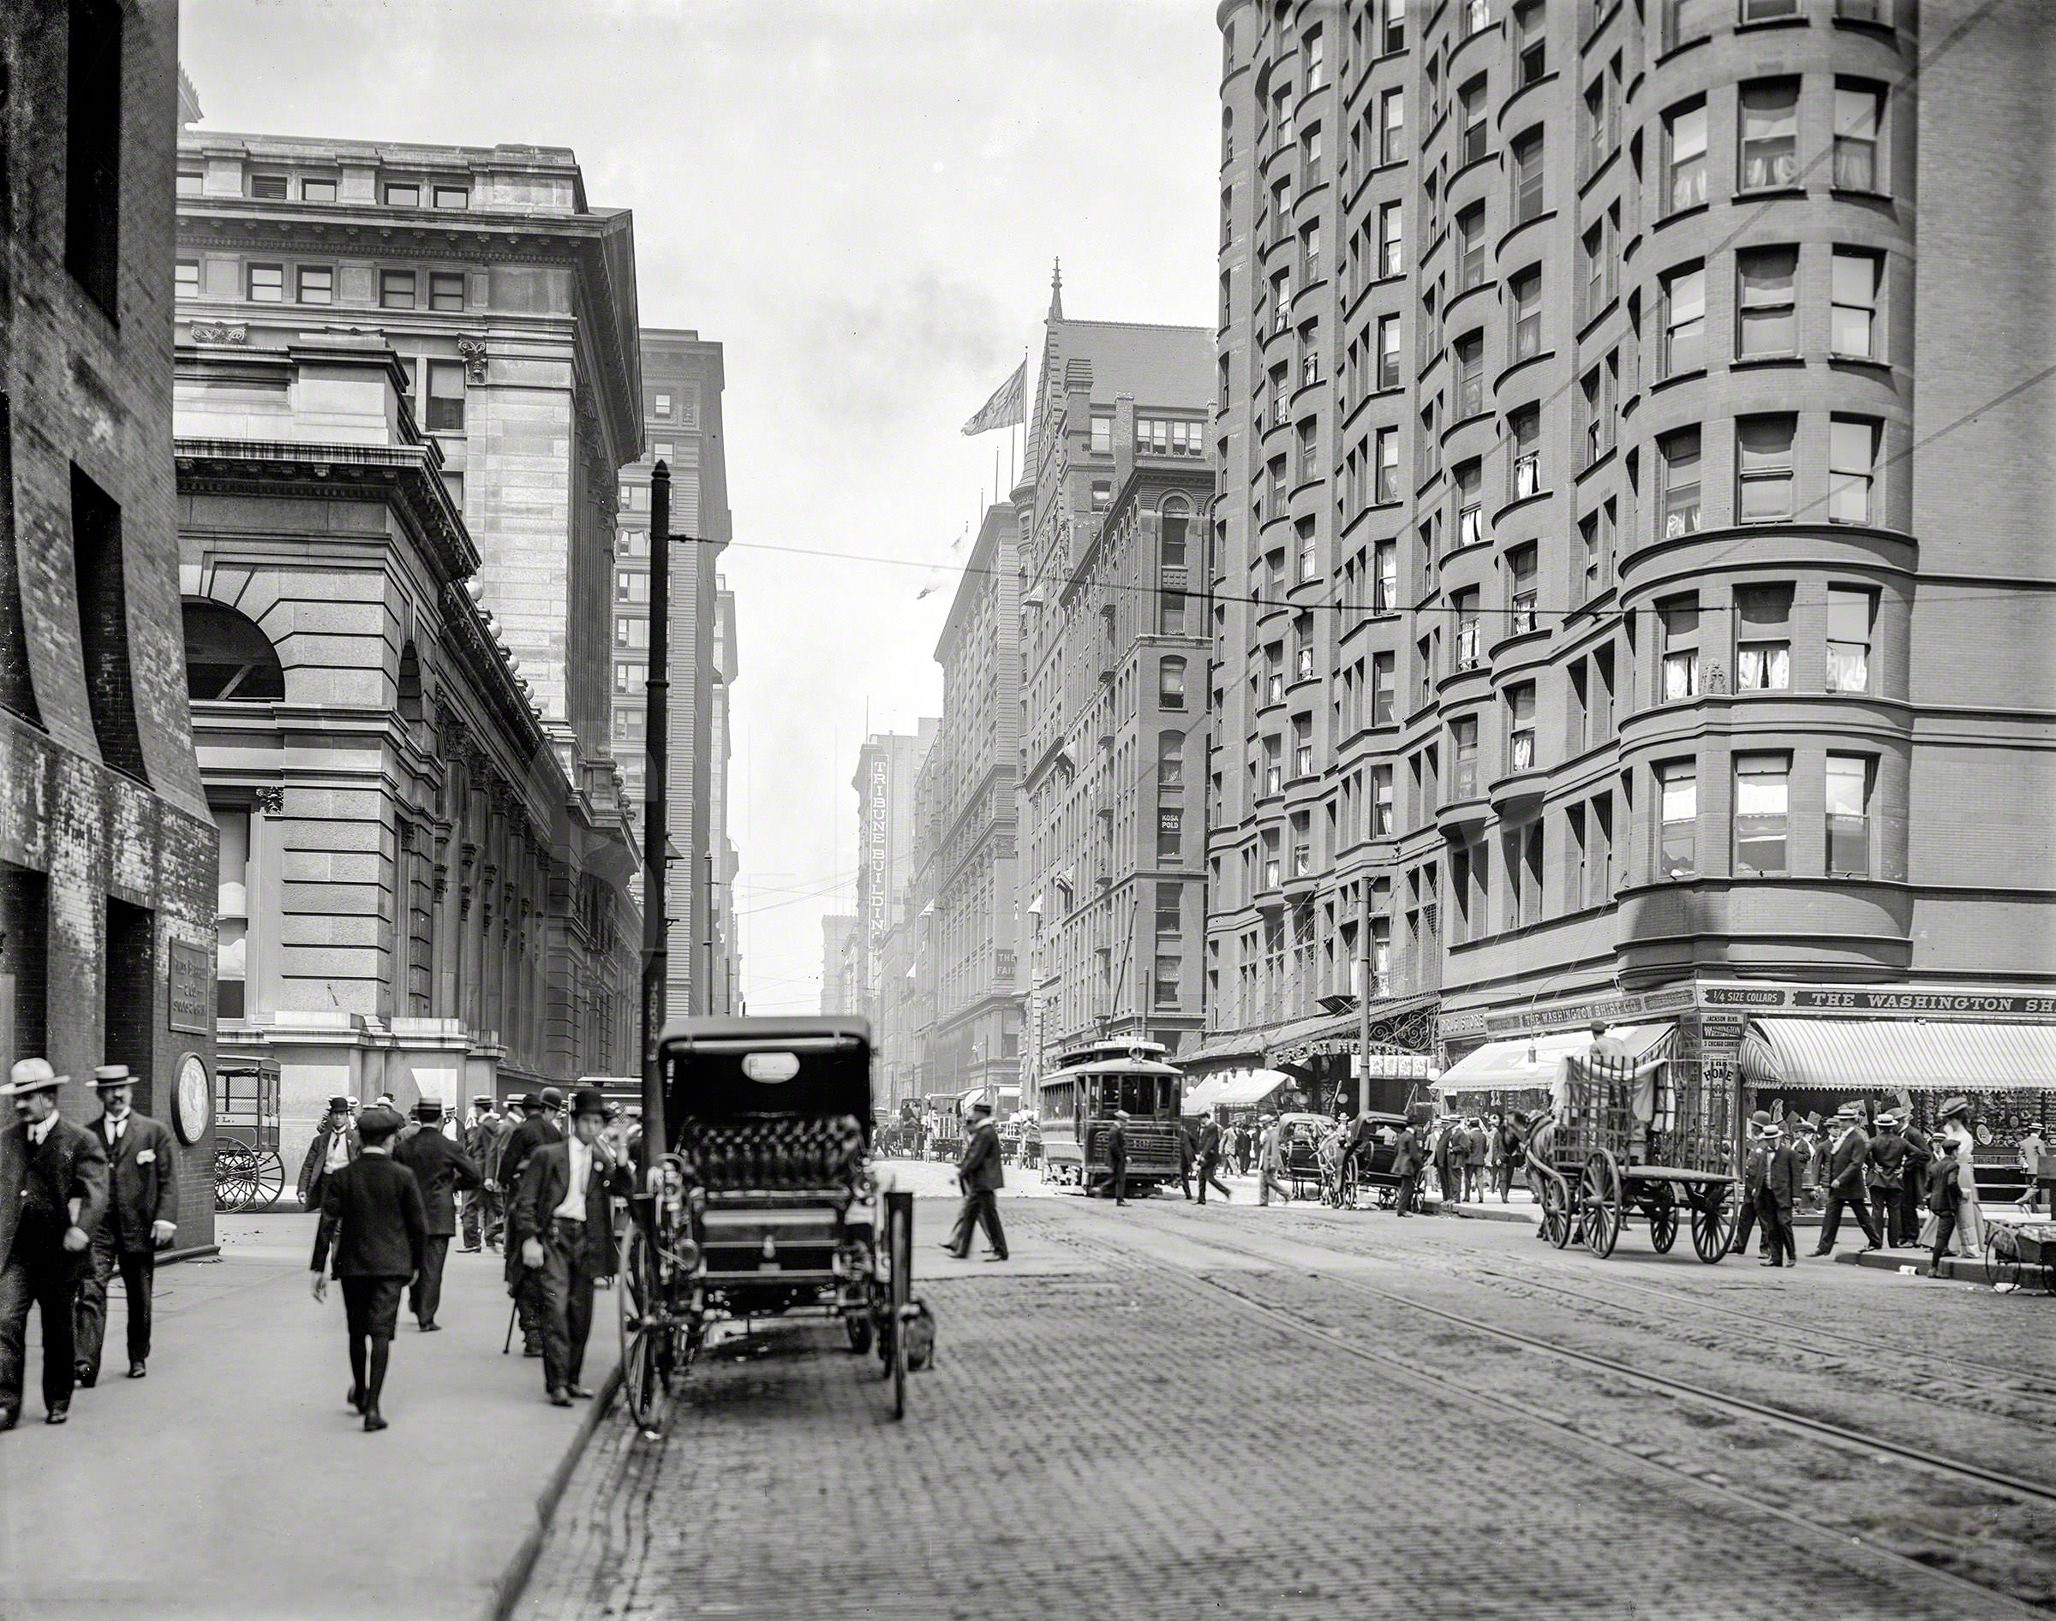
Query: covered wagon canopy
[[1531, 1063], [1885, 1055]]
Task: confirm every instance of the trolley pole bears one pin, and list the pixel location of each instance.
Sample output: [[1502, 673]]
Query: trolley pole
[[656, 799], [1363, 1001]]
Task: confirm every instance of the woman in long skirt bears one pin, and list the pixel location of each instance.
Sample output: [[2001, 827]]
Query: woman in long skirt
[[1970, 1220]]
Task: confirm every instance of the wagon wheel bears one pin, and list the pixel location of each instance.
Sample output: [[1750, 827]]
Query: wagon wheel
[[1713, 1221], [858, 1328], [269, 1178], [235, 1177], [1352, 1189], [1661, 1207], [899, 1260], [649, 1333], [1556, 1212], [1600, 1212]]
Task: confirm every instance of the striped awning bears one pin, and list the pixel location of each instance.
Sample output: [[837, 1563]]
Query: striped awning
[[1886, 1054]]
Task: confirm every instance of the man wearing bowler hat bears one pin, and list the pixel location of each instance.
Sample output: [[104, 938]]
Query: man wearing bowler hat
[[442, 1169], [480, 1141], [142, 1216], [560, 1231], [373, 1219], [335, 1145], [53, 1194], [980, 1174], [537, 1130], [1755, 1170]]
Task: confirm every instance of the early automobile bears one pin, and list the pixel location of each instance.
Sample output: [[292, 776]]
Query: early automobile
[[764, 1205]]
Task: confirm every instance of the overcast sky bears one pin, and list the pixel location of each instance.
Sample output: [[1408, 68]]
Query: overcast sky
[[860, 202]]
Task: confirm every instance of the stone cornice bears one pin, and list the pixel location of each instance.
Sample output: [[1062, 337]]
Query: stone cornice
[[410, 476]]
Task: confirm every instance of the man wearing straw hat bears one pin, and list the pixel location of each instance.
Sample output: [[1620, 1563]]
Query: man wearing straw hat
[[53, 1194], [142, 1217]]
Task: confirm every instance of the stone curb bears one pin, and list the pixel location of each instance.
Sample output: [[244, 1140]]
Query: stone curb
[[1955, 1268], [514, 1579]]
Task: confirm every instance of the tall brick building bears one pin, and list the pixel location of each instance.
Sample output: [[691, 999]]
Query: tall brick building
[[1622, 457], [1113, 686], [107, 854], [465, 909], [884, 971], [682, 380], [970, 821]]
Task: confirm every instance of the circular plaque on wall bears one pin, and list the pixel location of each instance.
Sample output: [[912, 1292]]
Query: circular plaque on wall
[[192, 1099]]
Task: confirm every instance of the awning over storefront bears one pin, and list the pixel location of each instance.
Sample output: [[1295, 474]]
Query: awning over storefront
[[1872, 1055], [1203, 1096], [1247, 1088], [1530, 1063]]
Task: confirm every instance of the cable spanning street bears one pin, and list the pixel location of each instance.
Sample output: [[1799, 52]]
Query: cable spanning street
[[1168, 1411]]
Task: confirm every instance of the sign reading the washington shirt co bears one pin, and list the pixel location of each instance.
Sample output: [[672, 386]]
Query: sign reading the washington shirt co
[[1992, 1004]]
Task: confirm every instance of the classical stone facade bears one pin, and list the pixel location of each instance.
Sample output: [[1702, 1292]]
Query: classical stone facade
[[398, 913], [1114, 690], [454, 886], [106, 851]]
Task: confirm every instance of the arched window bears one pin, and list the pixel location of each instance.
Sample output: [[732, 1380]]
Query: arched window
[[1174, 515], [228, 657], [1171, 684]]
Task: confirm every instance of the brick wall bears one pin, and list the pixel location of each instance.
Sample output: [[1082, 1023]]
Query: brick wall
[[89, 396]]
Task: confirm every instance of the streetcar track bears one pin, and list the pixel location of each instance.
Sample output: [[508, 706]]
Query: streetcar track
[[1567, 1432], [1993, 1479], [2022, 1379]]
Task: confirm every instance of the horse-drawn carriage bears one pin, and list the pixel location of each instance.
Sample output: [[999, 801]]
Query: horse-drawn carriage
[[763, 1204], [247, 1169], [1654, 1139]]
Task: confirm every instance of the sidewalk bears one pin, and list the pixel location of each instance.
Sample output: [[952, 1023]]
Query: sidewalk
[[234, 1482]]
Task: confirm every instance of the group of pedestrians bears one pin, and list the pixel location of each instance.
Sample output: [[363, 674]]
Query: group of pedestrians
[[78, 1203], [1905, 1187], [538, 1180]]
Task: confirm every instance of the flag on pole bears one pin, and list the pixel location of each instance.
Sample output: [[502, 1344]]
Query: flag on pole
[[1004, 409]]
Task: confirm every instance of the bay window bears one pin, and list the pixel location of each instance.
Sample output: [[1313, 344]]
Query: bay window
[[1852, 464], [1520, 727], [1763, 638], [1766, 321], [1849, 630], [1854, 280], [1679, 456], [1684, 320], [1762, 785], [1856, 136], [1678, 827], [1684, 133], [1680, 666], [1769, 134], [1763, 468], [1848, 815]]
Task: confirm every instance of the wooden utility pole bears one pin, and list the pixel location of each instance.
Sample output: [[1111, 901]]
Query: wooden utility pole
[[656, 792]]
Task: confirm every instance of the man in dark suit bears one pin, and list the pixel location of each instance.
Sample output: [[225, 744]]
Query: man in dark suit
[[1842, 1179], [537, 1130], [1887, 1166], [1116, 1140], [1210, 1159], [1406, 1165], [142, 1216], [560, 1230], [442, 1169], [1913, 1169], [373, 1219], [1778, 1197], [335, 1145], [479, 1140], [53, 1195], [1755, 1166], [981, 1175]]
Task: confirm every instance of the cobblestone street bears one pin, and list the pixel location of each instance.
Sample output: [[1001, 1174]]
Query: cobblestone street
[[1290, 1412]]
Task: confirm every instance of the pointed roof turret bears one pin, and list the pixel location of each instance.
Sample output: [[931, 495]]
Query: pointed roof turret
[[1056, 292]]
